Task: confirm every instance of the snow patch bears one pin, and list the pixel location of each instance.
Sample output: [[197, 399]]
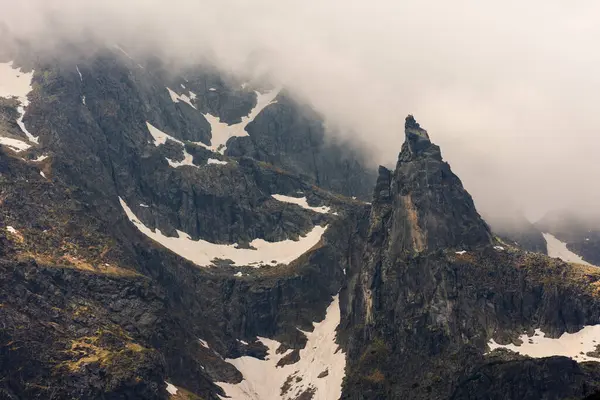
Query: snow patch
[[238, 274], [215, 161], [181, 97], [14, 144], [161, 137], [461, 252], [204, 343], [212, 89], [556, 248], [172, 389], [79, 72], [144, 205], [222, 132], [203, 253], [568, 344], [15, 83], [301, 201], [182, 86], [40, 158], [11, 230], [500, 248], [263, 380], [83, 100], [123, 51], [43, 175], [187, 160], [21, 124]]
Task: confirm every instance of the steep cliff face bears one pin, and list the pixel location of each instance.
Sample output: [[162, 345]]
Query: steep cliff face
[[432, 290], [425, 206], [112, 128], [292, 136]]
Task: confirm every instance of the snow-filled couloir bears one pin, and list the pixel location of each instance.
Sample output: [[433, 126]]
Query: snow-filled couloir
[[318, 374]]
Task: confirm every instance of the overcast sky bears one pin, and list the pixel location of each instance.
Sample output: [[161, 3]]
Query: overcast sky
[[509, 89]]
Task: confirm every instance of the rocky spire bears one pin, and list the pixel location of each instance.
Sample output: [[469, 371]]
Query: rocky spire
[[411, 126], [430, 208]]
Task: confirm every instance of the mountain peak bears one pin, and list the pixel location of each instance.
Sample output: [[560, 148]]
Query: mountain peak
[[430, 209], [417, 143], [412, 127]]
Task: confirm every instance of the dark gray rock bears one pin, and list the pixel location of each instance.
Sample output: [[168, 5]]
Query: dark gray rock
[[292, 137]]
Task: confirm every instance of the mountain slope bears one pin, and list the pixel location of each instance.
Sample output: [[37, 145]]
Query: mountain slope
[[188, 234], [432, 289], [580, 234]]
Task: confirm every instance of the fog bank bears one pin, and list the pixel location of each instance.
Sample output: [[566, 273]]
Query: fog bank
[[509, 89]]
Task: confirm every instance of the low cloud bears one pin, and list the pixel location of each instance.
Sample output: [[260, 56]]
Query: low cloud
[[508, 89]]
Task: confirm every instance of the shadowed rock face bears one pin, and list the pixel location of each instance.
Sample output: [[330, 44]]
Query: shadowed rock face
[[293, 137], [417, 315], [427, 204]]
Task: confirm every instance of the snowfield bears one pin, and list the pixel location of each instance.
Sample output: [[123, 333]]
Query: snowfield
[[301, 201], [15, 83], [320, 369], [568, 344], [558, 249], [222, 132], [203, 253]]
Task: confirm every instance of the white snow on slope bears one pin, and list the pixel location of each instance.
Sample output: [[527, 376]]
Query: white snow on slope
[[263, 379], [40, 158], [215, 161], [221, 132], [161, 138], [568, 344], [301, 201], [11, 229], [15, 83], [79, 72], [187, 160], [123, 51], [181, 97], [556, 248], [172, 389], [203, 253], [14, 144], [43, 174]]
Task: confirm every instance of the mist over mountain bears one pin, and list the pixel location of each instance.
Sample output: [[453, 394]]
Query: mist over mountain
[[288, 201], [510, 86]]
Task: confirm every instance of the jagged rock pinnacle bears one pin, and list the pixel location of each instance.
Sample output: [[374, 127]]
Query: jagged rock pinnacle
[[412, 127], [417, 142], [411, 122], [429, 207]]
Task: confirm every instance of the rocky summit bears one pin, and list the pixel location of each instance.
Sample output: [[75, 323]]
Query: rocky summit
[[197, 235]]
